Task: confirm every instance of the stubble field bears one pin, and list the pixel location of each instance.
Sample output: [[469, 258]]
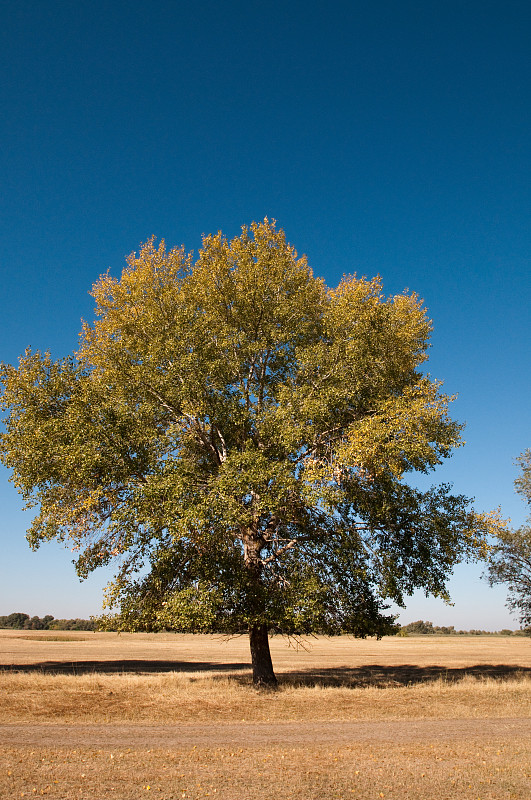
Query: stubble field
[[173, 716]]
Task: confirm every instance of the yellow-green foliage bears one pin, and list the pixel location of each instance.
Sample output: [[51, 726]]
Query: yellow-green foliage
[[244, 432]]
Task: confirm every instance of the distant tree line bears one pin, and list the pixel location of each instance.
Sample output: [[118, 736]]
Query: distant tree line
[[422, 628], [21, 621]]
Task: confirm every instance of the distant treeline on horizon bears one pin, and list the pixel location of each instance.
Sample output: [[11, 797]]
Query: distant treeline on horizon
[[21, 621], [421, 628]]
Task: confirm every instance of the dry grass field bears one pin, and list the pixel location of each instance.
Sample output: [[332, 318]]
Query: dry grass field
[[93, 715]]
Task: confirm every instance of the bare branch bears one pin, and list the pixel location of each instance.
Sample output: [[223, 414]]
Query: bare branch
[[281, 550]]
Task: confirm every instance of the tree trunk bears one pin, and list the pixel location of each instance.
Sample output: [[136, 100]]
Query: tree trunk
[[263, 674]]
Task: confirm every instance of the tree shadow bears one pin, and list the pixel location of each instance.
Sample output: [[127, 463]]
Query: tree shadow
[[385, 676], [376, 675], [134, 666]]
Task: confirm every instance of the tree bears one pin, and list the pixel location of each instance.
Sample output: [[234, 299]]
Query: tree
[[236, 435], [523, 481], [15, 620], [419, 627], [510, 559]]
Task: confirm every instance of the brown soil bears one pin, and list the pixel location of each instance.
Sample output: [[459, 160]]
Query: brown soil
[[287, 734]]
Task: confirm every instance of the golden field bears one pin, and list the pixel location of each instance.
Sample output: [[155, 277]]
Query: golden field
[[100, 715]]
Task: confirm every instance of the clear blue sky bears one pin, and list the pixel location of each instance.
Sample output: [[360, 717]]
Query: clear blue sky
[[387, 137]]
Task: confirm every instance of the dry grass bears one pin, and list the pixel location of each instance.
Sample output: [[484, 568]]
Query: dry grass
[[139, 679], [177, 697], [470, 770], [176, 678], [109, 652]]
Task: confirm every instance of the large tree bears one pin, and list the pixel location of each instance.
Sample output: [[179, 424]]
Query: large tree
[[236, 436], [510, 557]]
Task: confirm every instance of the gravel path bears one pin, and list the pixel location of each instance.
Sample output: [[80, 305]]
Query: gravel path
[[248, 734]]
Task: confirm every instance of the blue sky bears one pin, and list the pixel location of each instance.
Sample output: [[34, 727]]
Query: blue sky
[[387, 137]]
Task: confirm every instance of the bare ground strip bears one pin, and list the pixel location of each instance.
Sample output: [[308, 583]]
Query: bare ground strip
[[258, 734]]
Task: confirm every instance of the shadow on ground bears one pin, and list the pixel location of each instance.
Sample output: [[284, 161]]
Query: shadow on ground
[[133, 666], [368, 675], [384, 676]]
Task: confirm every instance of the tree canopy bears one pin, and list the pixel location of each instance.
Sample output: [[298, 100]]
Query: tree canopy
[[237, 436], [510, 558]]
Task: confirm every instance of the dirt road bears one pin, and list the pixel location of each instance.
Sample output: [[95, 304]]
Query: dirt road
[[244, 734]]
